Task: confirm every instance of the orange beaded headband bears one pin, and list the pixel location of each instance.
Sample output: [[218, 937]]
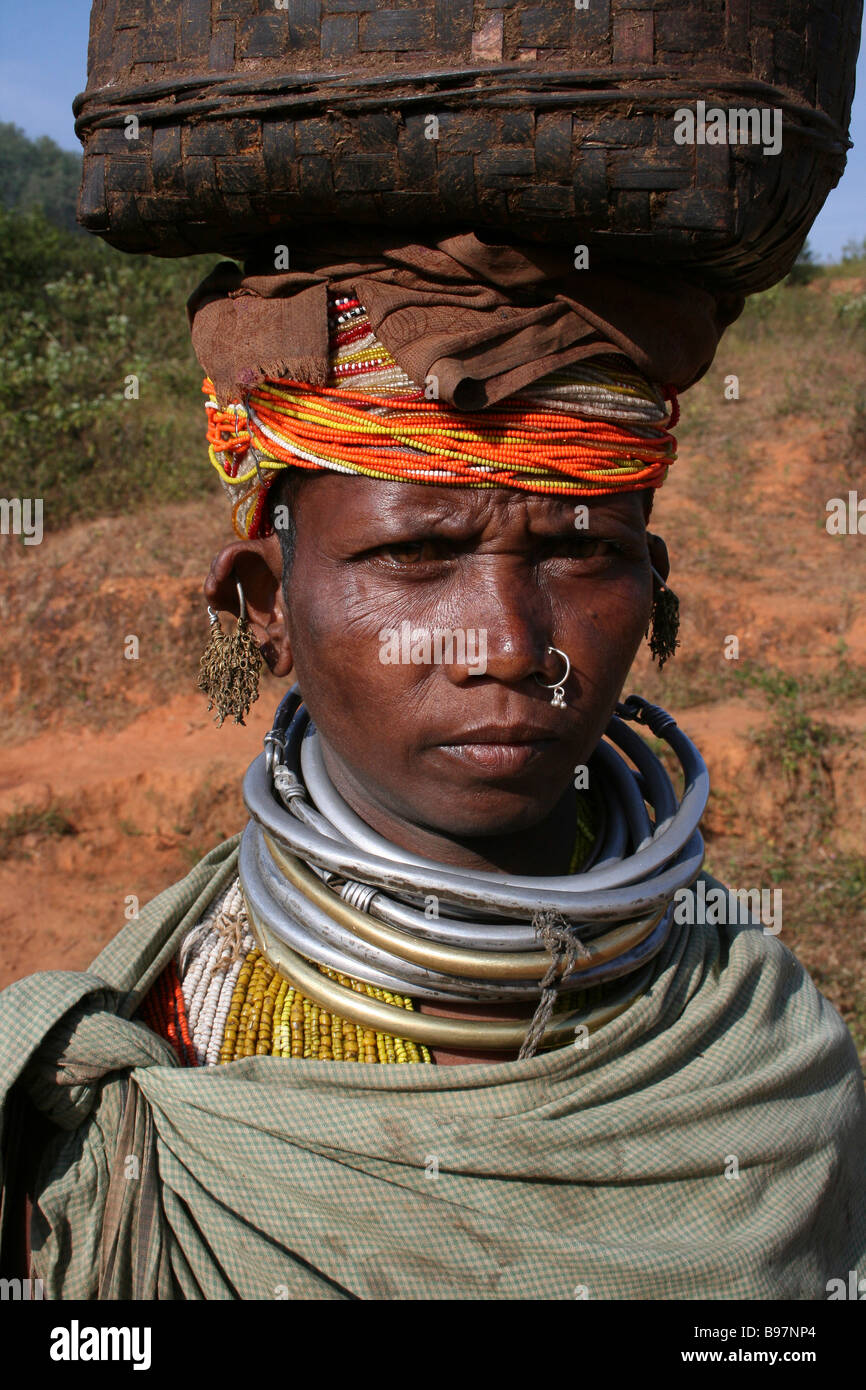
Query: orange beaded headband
[[594, 427]]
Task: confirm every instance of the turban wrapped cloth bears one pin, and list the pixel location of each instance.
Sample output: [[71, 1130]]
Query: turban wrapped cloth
[[458, 363]]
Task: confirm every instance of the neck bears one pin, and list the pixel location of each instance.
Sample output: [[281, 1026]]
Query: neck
[[540, 850]]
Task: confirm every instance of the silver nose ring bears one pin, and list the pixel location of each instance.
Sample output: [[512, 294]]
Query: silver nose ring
[[558, 687]]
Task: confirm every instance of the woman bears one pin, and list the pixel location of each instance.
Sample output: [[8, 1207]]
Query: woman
[[447, 865]]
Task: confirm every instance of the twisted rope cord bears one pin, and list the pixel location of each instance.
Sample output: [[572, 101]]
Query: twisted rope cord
[[566, 951]]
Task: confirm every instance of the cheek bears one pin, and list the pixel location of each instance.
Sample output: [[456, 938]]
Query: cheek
[[605, 622], [351, 610], [338, 641]]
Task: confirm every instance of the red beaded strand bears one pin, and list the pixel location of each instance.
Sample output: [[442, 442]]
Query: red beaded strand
[[164, 1010]]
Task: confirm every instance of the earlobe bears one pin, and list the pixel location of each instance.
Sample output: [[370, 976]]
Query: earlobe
[[257, 565]]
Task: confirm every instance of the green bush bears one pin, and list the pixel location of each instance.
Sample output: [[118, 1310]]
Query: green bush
[[80, 320], [854, 253], [39, 174], [804, 269]]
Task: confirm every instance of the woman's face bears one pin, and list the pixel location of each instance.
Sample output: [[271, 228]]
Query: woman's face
[[468, 745]]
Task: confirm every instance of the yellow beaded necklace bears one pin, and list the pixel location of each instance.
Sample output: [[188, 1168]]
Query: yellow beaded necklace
[[268, 1017]]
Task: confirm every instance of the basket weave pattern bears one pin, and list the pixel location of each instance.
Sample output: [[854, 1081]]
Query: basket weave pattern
[[551, 122]]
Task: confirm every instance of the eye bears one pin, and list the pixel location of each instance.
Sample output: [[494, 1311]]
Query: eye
[[412, 552], [581, 547]]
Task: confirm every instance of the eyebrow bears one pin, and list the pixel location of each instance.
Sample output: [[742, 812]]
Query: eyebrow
[[394, 524]]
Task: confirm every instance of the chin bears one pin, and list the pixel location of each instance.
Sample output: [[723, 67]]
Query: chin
[[490, 813]]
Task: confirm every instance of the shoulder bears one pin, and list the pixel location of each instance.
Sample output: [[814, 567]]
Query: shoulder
[[773, 1013]]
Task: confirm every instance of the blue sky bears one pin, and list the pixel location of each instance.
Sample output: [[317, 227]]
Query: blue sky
[[43, 65]]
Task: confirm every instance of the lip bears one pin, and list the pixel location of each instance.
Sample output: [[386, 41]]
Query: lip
[[500, 749], [503, 735]]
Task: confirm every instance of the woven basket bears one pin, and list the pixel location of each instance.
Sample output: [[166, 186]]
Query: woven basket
[[540, 121]]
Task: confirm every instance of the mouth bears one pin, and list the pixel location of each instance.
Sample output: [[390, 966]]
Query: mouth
[[506, 748]]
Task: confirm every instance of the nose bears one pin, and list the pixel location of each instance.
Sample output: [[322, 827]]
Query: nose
[[513, 623]]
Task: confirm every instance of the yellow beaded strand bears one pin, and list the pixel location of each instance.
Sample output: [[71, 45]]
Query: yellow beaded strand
[[263, 1042], [268, 1016], [279, 1035], [227, 1051]]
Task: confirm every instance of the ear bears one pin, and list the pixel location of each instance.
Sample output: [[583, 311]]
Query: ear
[[658, 553], [258, 566]]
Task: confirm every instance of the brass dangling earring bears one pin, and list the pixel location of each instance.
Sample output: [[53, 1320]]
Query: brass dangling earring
[[230, 667], [664, 623]]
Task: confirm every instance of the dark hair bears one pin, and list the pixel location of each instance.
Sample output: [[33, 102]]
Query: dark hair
[[283, 493]]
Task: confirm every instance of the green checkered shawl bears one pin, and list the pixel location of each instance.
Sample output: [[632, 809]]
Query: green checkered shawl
[[708, 1143]]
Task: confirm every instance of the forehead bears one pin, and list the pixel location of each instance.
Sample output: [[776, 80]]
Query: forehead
[[356, 503]]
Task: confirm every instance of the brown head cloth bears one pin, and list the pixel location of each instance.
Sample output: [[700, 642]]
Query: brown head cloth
[[486, 320]]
